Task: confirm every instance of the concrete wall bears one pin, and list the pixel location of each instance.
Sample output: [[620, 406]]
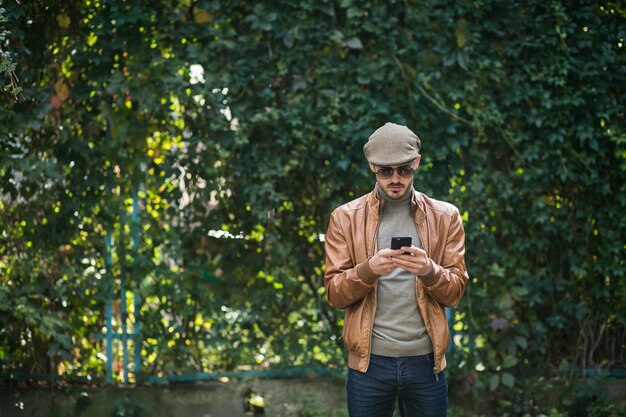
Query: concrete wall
[[282, 398], [293, 397]]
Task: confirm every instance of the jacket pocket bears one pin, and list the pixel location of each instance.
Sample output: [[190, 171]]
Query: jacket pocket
[[441, 336], [353, 333]]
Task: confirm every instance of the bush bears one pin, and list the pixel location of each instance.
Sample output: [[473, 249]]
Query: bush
[[239, 126]]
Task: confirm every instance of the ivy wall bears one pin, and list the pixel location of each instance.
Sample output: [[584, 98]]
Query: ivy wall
[[238, 126]]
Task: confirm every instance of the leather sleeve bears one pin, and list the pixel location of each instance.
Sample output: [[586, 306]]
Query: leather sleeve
[[342, 283], [446, 282]]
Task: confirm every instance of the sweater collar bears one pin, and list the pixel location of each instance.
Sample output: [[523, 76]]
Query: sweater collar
[[405, 200], [375, 201]]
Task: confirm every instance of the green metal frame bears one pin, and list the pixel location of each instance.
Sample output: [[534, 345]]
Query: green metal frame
[[124, 336]]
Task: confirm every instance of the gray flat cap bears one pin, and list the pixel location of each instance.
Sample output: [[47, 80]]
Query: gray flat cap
[[392, 144]]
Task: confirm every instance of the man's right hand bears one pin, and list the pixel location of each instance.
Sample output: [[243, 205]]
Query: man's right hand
[[382, 263]]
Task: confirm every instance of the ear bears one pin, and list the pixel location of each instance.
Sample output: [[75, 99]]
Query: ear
[[417, 161], [373, 168]]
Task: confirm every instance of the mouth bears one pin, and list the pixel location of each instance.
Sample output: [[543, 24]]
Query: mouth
[[395, 187]]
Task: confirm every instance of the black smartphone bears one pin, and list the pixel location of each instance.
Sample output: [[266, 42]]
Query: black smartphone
[[398, 242]]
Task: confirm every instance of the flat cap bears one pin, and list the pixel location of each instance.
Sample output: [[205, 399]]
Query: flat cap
[[392, 144]]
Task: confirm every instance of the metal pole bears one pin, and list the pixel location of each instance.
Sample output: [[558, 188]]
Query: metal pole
[[137, 299], [123, 298], [450, 319], [109, 309]]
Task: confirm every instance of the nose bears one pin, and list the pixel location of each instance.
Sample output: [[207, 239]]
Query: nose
[[395, 177]]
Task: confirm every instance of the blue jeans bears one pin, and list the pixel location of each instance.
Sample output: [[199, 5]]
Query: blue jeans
[[410, 379]]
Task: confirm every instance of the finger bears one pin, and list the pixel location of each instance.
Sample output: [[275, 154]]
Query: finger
[[412, 249], [403, 263], [409, 262], [407, 250]]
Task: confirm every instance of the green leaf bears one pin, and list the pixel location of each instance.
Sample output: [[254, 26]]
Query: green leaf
[[494, 382], [504, 302], [519, 291], [509, 362], [521, 341], [354, 43], [508, 380]]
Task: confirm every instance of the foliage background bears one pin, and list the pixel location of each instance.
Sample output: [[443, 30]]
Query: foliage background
[[239, 126]]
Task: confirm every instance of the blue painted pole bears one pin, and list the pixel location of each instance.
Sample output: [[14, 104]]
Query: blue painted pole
[[137, 299], [449, 317], [123, 299], [109, 309]]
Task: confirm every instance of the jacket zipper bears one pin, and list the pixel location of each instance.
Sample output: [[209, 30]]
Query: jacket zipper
[[375, 307], [417, 295], [380, 216]]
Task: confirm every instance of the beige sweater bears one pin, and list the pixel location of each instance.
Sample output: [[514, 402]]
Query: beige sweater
[[398, 327]]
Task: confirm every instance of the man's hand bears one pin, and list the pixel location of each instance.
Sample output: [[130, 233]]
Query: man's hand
[[412, 259], [382, 263]]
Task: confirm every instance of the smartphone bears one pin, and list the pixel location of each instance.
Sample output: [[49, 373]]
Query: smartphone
[[398, 242]]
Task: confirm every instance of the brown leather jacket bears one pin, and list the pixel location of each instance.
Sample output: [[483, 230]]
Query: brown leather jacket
[[351, 241]]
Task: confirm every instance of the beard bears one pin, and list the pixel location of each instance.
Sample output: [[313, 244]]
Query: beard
[[395, 191]]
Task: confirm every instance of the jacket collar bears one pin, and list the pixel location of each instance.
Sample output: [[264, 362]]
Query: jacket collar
[[374, 202]]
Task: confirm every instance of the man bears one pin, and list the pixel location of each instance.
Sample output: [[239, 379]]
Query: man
[[395, 325]]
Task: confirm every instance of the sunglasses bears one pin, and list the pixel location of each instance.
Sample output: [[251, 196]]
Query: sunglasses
[[405, 171]]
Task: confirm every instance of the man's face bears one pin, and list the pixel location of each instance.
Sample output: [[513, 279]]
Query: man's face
[[395, 180]]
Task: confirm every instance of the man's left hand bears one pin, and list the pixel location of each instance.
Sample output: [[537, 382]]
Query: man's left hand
[[414, 261]]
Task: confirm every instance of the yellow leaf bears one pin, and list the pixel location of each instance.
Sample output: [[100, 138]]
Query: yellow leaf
[[62, 90], [460, 37], [201, 16], [63, 20], [460, 33]]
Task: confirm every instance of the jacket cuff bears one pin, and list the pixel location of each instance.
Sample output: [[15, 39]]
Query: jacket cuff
[[432, 275], [366, 274]]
